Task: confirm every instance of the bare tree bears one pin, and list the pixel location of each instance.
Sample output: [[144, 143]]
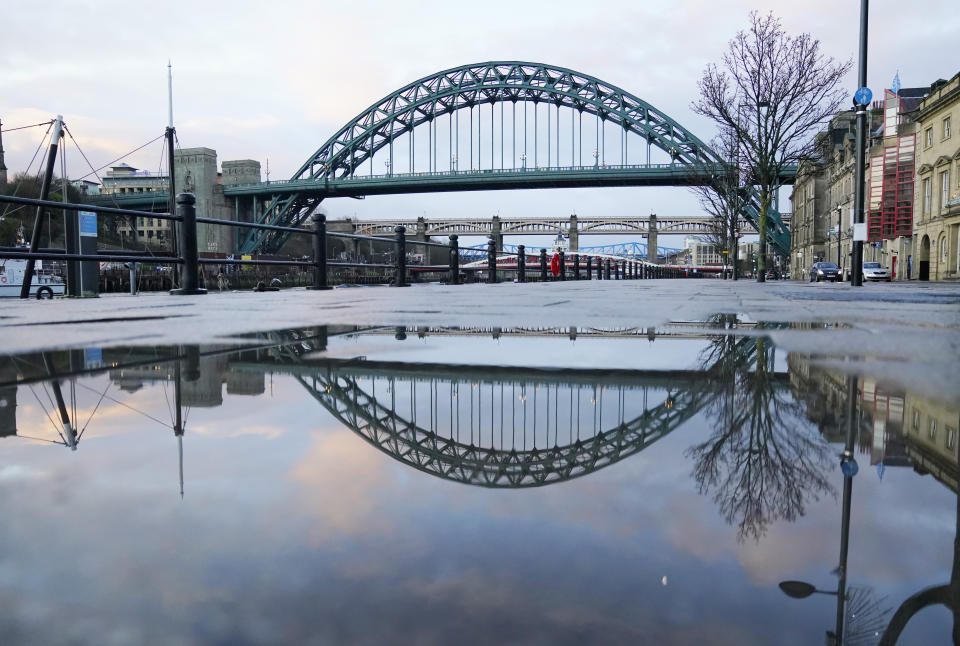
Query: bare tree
[[772, 90], [761, 462]]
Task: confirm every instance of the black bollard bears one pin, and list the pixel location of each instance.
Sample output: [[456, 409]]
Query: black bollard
[[491, 261], [606, 270], [543, 265], [589, 267], [576, 266], [521, 264], [400, 280], [320, 252], [454, 260], [563, 266], [599, 268], [189, 279]]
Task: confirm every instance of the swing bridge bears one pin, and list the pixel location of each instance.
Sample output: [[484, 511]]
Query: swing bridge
[[485, 425]]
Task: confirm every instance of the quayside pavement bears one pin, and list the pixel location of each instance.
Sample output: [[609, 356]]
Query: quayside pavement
[[908, 331]]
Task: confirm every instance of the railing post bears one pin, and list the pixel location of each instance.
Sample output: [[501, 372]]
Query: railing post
[[606, 270], [491, 260], [320, 252], [589, 267], [189, 279], [563, 265], [521, 264], [576, 266], [454, 260], [543, 265], [400, 280]]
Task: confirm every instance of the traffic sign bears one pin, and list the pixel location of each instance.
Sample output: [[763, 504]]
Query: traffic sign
[[862, 96]]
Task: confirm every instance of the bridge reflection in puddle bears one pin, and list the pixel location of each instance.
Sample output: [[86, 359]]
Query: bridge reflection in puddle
[[759, 428]]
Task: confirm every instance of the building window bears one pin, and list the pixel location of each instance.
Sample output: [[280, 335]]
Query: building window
[[933, 428], [951, 437], [928, 137], [149, 222], [943, 249], [916, 419], [139, 233], [944, 188], [946, 128], [927, 195]]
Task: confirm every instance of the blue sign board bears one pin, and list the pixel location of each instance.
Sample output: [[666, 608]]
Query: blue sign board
[[88, 223], [862, 96], [92, 357]]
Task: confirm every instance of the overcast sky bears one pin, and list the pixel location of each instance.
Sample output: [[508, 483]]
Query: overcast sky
[[275, 80]]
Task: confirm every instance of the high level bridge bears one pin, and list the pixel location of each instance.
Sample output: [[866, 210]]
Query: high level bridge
[[572, 226], [493, 126]]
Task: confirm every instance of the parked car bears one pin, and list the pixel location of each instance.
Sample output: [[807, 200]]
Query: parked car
[[875, 271], [824, 271]]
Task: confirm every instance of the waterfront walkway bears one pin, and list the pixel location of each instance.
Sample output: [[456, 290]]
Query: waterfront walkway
[[906, 332]]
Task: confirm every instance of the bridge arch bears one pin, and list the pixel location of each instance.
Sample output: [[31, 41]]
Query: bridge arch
[[467, 86]]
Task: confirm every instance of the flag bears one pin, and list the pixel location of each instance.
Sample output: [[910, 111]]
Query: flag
[[895, 86]]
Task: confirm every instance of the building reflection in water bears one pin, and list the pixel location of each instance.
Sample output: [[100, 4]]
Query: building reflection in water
[[514, 427], [893, 428]]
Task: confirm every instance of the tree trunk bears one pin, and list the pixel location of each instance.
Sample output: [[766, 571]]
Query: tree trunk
[[762, 249]]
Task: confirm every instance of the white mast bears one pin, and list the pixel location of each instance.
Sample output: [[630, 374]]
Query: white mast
[[170, 92]]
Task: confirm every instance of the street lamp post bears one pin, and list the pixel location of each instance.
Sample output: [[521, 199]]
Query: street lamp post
[[839, 233], [856, 272]]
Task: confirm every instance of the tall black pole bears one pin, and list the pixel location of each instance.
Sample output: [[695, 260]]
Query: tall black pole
[[172, 203], [44, 194], [856, 272]]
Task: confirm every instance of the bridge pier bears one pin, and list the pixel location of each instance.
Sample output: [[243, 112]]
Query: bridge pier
[[496, 234], [652, 240], [574, 234]]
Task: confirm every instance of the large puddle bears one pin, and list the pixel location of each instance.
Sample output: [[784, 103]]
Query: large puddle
[[686, 485]]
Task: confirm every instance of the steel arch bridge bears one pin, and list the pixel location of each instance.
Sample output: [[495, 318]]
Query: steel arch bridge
[[390, 125]]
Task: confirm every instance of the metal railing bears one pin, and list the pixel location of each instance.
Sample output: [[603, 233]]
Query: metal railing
[[534, 266]]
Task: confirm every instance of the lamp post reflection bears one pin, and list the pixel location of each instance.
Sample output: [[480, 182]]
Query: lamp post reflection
[[853, 603]]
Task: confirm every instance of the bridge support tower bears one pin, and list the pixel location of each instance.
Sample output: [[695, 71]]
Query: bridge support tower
[[652, 240], [574, 234], [496, 234]]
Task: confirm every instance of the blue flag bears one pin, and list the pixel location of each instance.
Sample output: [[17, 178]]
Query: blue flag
[[895, 87]]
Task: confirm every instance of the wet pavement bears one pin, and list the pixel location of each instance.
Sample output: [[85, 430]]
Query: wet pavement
[[648, 462]]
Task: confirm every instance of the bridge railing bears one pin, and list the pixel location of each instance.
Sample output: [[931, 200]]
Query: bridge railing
[[544, 266]]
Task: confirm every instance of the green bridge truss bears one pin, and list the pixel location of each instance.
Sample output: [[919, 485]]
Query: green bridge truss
[[332, 170]]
